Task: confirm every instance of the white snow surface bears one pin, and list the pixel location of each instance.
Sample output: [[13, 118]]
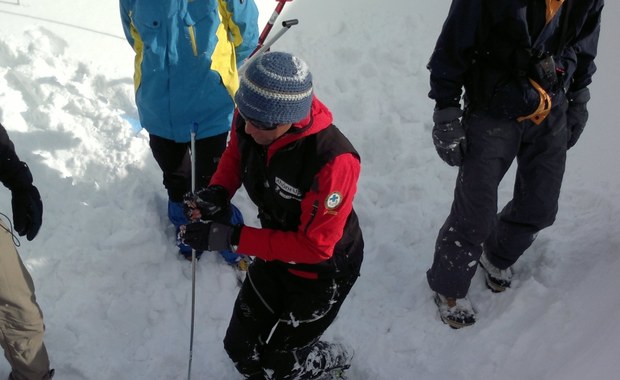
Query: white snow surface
[[116, 298]]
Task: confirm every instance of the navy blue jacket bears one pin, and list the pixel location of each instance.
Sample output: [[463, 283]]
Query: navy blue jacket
[[484, 44]]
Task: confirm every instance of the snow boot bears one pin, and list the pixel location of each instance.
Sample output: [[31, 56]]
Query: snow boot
[[243, 263], [178, 218], [497, 279], [336, 374], [455, 312], [327, 361]]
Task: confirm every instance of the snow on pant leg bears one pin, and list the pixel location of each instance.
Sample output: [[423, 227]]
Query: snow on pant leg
[[21, 319], [254, 314], [309, 309], [492, 146], [541, 164], [266, 333]]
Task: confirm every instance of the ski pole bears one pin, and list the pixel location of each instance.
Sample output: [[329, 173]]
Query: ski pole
[[191, 337], [270, 24], [286, 25]]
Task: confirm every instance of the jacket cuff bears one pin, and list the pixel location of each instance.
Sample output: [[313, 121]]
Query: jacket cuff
[[447, 115], [579, 96], [19, 178], [447, 103]]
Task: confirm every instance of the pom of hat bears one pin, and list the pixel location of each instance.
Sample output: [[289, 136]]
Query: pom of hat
[[275, 88]]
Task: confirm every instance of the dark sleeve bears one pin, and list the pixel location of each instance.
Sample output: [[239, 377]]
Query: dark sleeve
[[580, 54], [453, 53], [14, 174]]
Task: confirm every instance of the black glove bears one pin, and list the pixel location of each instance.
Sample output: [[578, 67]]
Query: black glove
[[449, 135], [210, 236], [577, 115], [211, 203], [27, 211]]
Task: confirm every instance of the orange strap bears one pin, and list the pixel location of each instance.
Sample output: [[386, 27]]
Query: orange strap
[[544, 106], [552, 8]]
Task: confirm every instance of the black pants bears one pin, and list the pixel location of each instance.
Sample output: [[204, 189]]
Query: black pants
[[278, 317], [493, 144], [174, 159]]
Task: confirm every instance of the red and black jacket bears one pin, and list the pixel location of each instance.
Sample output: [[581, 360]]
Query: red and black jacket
[[303, 185]]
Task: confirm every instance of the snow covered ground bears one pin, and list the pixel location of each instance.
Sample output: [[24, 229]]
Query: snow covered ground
[[117, 299]]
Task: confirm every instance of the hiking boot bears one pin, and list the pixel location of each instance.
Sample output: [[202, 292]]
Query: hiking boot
[[327, 360], [336, 374], [243, 264], [455, 312], [497, 279]]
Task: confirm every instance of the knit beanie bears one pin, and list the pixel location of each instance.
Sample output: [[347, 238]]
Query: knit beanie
[[275, 88]]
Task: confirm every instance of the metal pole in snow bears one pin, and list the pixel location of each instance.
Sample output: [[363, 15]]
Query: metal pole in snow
[[191, 338]]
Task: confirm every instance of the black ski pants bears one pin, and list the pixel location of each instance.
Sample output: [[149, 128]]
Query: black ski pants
[[278, 317], [492, 146], [174, 159]]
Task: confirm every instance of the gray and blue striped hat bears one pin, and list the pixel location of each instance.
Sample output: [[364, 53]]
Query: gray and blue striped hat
[[275, 88]]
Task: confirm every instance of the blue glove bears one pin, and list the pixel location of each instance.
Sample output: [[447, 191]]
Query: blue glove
[[449, 135]]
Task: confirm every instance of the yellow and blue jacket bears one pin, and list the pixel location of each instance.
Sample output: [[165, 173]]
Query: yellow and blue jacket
[[187, 55]]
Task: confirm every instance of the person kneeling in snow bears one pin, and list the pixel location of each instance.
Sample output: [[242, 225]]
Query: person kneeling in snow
[[302, 174], [185, 78]]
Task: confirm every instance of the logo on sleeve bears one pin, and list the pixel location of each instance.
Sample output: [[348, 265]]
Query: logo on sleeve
[[333, 200]]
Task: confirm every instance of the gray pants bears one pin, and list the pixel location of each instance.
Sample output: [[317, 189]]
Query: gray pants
[[21, 320], [493, 144]]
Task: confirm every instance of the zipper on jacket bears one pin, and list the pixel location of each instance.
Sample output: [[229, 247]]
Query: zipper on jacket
[[315, 208], [192, 38]]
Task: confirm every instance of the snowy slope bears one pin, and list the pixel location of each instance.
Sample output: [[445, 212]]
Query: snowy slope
[[116, 298]]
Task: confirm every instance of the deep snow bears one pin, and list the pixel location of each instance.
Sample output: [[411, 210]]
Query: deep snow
[[116, 298]]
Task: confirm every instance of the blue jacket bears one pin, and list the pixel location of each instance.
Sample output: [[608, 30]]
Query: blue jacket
[[187, 54], [484, 43]]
